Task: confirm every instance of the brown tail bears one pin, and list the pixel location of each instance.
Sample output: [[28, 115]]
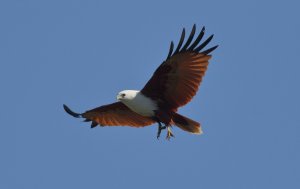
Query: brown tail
[[187, 124]]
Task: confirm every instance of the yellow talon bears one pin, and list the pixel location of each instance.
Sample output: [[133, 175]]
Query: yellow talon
[[169, 133]]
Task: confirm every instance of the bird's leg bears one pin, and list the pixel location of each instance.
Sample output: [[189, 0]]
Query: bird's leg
[[169, 132], [160, 128]]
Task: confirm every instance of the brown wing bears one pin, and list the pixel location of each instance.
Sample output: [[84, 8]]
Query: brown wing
[[177, 79], [116, 114]]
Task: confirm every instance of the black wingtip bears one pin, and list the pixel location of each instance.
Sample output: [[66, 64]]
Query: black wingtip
[[69, 111], [94, 124], [210, 50], [171, 50], [200, 47]]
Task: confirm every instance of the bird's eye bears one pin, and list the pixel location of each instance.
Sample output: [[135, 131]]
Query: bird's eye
[[123, 95]]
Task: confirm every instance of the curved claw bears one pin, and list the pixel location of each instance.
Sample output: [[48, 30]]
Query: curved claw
[[69, 111]]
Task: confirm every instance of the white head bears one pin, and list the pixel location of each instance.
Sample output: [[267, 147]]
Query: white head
[[137, 102], [127, 95]]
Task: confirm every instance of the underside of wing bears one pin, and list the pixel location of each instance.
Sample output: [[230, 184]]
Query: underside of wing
[[177, 79], [115, 114]]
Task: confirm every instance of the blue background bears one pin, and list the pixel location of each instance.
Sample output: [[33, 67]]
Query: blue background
[[83, 53]]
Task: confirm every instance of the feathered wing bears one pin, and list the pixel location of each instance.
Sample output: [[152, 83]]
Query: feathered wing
[[177, 79], [115, 114]]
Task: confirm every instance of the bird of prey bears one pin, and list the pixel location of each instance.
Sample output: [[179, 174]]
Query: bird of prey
[[173, 84]]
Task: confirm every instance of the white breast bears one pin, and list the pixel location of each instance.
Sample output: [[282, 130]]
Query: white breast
[[141, 104]]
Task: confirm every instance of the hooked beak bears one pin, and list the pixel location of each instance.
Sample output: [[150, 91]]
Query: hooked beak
[[118, 97]]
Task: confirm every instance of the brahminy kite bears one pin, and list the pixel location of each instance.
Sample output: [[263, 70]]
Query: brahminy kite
[[173, 84]]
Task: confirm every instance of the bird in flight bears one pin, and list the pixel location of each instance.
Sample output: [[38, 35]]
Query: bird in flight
[[173, 84]]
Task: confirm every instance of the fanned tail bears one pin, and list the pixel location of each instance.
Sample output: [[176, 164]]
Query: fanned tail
[[187, 124]]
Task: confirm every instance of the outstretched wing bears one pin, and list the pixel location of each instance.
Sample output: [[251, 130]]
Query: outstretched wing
[[116, 114], [177, 79]]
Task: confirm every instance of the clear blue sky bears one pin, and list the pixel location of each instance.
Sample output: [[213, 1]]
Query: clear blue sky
[[83, 53]]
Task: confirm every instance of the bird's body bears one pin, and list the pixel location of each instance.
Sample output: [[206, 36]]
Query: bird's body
[[173, 84]]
